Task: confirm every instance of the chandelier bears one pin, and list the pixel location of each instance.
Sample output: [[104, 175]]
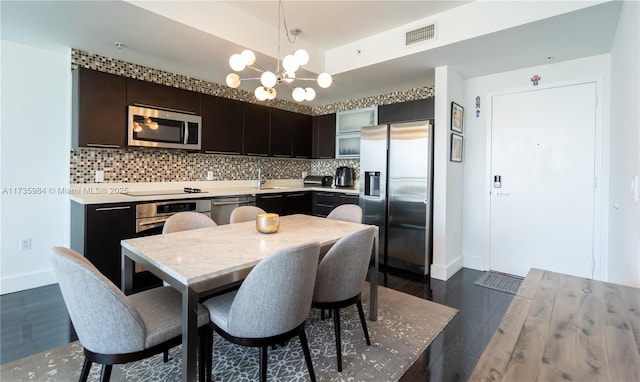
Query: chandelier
[[284, 74]]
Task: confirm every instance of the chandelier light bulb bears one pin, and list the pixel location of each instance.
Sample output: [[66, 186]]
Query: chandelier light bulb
[[268, 79], [302, 57], [289, 63], [309, 94], [237, 63], [324, 80], [248, 56], [298, 94], [233, 80], [289, 76], [260, 93], [136, 127]]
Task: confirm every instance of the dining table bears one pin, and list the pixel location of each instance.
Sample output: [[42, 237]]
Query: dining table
[[197, 262]]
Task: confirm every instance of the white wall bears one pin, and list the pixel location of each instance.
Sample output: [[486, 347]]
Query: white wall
[[35, 143], [447, 179], [477, 156], [624, 217]]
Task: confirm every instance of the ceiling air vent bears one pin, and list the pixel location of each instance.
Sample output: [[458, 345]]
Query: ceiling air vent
[[425, 33]]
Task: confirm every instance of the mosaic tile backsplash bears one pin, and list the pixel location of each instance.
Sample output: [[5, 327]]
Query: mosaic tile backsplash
[[135, 165], [139, 165]]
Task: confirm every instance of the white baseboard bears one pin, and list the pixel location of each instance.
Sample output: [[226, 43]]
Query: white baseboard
[[441, 272], [27, 281]]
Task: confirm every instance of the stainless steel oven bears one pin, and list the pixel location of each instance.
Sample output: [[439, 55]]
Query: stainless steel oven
[[150, 217]]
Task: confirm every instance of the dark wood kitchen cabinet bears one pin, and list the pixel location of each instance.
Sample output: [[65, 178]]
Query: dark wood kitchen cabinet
[[297, 203], [256, 122], [324, 136], [325, 201], [417, 110], [221, 125], [162, 96], [273, 203], [96, 232], [99, 109], [290, 134]]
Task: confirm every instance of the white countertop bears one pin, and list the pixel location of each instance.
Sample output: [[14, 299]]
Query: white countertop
[[99, 193]]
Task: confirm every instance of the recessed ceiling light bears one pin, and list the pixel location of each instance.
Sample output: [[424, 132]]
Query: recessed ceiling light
[[549, 58], [119, 45]]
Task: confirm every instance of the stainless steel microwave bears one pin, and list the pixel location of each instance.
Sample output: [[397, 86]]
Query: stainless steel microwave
[[154, 127]]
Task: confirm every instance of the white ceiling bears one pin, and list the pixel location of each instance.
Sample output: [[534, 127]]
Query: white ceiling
[[196, 38]]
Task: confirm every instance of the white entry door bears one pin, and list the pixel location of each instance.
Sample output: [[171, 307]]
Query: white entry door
[[542, 204]]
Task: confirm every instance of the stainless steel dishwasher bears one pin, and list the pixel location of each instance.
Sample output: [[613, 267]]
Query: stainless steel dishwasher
[[221, 206]]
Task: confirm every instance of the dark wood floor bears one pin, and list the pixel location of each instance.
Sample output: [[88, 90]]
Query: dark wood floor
[[36, 320]]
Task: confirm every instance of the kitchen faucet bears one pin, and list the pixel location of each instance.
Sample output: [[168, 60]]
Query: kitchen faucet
[[261, 180]]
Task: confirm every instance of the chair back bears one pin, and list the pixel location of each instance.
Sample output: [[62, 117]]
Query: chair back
[[342, 271], [104, 319], [276, 295], [347, 212], [183, 221], [245, 214]]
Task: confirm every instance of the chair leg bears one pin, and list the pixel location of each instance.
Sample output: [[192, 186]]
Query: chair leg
[[363, 321], [202, 355], [86, 368], [263, 363], [307, 354], [322, 314], [209, 359], [336, 324], [106, 373], [165, 355]]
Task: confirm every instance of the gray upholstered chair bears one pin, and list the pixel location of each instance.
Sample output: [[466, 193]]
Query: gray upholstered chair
[[245, 214], [187, 220], [271, 306], [347, 212], [340, 278], [114, 328]]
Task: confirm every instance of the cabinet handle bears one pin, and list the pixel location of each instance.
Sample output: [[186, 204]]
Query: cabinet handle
[[113, 208], [238, 202], [325, 158], [301, 194], [302, 156], [258, 154], [324, 194], [324, 205], [222, 152], [270, 196], [103, 146]]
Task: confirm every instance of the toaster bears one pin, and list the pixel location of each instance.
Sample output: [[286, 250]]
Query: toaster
[[318, 180]]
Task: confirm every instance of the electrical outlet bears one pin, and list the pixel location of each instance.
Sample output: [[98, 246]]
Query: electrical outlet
[[99, 177], [209, 175], [25, 244]]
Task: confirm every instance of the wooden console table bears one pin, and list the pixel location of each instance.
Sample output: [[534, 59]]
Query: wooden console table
[[562, 327]]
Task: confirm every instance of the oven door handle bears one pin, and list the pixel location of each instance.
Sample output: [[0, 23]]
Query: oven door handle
[[150, 224]]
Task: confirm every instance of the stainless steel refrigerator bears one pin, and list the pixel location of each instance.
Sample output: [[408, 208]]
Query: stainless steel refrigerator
[[396, 172]]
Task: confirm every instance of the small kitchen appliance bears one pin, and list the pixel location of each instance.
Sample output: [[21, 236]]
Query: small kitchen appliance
[[344, 177], [318, 180]]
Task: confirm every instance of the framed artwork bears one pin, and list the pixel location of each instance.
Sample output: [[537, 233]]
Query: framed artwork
[[457, 112], [456, 148]]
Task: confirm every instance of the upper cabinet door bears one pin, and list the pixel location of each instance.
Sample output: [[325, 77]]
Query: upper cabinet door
[[99, 109], [324, 136], [301, 136], [417, 110], [256, 129], [162, 96], [221, 125], [282, 123]]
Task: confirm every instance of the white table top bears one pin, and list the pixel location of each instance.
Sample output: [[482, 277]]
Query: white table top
[[198, 255]]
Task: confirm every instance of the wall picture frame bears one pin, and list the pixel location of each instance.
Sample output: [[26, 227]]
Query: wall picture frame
[[456, 147], [457, 117]]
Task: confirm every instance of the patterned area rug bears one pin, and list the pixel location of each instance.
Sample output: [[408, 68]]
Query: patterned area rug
[[406, 325], [500, 281]]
